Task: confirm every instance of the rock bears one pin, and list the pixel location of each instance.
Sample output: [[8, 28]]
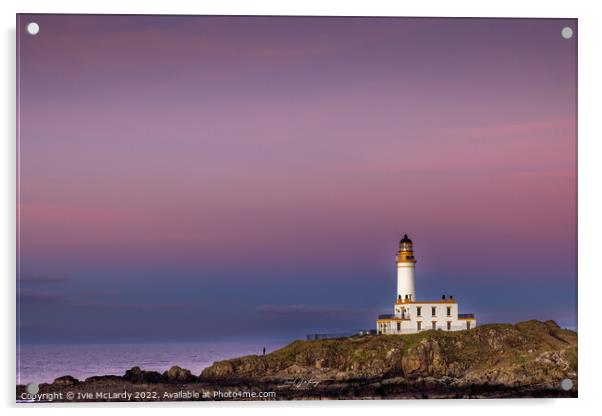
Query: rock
[[425, 359], [139, 376], [134, 375], [218, 369], [65, 381], [411, 365], [177, 374], [510, 355], [152, 377], [104, 379], [296, 369]]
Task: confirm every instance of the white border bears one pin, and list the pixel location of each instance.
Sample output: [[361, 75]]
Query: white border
[[590, 196]]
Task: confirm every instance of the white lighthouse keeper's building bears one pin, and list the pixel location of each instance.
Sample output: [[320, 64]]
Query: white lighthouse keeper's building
[[410, 315]]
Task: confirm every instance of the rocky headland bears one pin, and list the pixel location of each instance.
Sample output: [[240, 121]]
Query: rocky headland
[[528, 359]]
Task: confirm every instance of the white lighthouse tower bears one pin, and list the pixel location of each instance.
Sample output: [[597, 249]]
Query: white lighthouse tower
[[406, 264]]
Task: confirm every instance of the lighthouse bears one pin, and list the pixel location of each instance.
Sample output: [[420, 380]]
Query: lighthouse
[[406, 264], [411, 315]]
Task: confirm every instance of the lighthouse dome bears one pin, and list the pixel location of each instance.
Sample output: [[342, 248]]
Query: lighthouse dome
[[405, 239]]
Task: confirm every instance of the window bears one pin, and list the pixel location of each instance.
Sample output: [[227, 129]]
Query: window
[[448, 325], [419, 325], [434, 310], [418, 311], [398, 326], [467, 324], [449, 311], [434, 324]]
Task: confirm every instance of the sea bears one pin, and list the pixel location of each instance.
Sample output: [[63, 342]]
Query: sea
[[44, 363]]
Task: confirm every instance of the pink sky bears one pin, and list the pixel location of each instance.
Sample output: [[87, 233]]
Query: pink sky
[[299, 148]]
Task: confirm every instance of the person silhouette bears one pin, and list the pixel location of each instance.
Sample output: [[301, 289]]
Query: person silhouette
[[263, 350]]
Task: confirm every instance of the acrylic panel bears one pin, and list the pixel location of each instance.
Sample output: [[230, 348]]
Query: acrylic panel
[[286, 207]]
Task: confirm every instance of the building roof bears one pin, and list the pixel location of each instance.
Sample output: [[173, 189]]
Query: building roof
[[394, 319], [405, 239], [426, 302]]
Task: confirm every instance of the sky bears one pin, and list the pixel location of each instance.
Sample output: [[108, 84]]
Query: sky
[[204, 177]]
